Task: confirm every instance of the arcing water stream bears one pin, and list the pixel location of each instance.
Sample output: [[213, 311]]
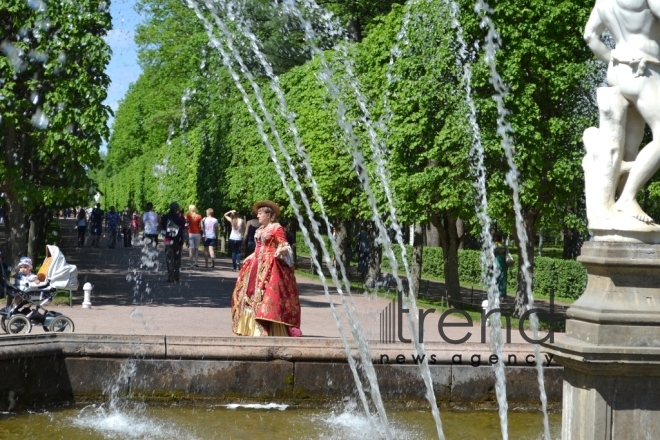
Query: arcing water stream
[[384, 428], [504, 128], [377, 155], [358, 162]]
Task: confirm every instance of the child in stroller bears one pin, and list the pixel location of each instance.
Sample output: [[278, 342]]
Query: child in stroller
[[31, 293]]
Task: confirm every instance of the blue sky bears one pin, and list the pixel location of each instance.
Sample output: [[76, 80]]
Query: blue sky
[[123, 68]]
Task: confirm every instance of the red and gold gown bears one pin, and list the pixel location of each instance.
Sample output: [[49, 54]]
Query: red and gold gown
[[265, 300]]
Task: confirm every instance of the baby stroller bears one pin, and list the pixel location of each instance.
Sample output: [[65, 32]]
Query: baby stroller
[[21, 315]]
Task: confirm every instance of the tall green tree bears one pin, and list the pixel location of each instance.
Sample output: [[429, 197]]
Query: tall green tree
[[551, 77], [52, 83], [428, 135]]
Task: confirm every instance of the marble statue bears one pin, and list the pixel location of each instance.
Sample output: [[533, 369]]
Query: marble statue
[[614, 166]]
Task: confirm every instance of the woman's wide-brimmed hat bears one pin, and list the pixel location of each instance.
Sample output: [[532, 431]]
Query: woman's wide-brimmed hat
[[272, 205]]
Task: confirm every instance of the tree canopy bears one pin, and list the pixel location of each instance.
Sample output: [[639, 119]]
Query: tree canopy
[[183, 131], [52, 86]]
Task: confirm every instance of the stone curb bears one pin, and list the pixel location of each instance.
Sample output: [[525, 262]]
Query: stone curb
[[244, 349], [50, 369]]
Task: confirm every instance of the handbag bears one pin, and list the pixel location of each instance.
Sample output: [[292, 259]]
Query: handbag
[[509, 259]]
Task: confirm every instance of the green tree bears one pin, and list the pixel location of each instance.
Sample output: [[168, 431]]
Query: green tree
[[428, 135], [52, 84], [168, 134], [357, 15], [551, 75]]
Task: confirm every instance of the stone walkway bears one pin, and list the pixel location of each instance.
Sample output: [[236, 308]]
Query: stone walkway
[[200, 304]]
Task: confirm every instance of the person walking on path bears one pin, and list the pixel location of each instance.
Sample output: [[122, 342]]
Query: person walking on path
[[291, 239], [194, 220], [135, 225], [210, 236], [111, 223], [248, 239], [126, 227], [235, 237], [81, 225], [96, 221], [172, 226], [265, 301], [503, 261], [150, 222]]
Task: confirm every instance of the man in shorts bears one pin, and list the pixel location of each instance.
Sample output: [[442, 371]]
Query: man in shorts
[[209, 236], [150, 224]]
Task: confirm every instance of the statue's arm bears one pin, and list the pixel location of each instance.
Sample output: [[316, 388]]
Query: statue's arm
[[592, 32]]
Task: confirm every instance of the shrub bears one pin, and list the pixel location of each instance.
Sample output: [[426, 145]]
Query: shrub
[[568, 277]]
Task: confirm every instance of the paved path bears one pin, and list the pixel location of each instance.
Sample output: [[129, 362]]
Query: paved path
[[200, 304]]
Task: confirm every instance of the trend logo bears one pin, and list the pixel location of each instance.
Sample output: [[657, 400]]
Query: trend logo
[[391, 323]]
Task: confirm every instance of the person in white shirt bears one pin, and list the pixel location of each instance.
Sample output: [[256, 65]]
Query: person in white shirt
[[150, 223], [235, 237], [210, 236]]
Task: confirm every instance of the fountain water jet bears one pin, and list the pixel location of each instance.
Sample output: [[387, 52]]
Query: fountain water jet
[[503, 129], [358, 162], [228, 64], [354, 322], [490, 272]]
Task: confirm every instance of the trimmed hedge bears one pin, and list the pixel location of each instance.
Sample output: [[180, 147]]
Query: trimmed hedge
[[568, 277]]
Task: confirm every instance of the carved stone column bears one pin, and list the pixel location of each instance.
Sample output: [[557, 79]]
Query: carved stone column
[[611, 350]]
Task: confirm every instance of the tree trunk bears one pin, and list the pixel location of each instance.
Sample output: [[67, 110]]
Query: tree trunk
[[37, 234], [355, 29], [449, 239], [432, 236], [521, 300], [460, 229], [418, 247], [16, 228], [343, 243]]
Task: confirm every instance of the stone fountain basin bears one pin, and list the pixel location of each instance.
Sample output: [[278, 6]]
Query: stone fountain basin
[[51, 369]]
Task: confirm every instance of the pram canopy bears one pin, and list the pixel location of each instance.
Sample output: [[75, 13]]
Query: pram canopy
[[60, 274]]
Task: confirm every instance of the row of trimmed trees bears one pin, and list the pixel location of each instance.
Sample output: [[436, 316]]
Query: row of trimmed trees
[[184, 133]]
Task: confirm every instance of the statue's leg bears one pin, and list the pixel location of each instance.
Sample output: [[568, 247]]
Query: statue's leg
[[633, 139], [647, 162]]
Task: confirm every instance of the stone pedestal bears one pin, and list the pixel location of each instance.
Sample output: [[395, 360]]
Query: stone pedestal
[[611, 350]]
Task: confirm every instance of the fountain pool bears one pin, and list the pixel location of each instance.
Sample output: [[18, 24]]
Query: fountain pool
[[181, 421]]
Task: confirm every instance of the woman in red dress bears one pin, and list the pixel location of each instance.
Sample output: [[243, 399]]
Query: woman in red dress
[[265, 300]]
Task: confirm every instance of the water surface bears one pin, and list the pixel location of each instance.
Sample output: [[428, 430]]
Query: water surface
[[267, 422]]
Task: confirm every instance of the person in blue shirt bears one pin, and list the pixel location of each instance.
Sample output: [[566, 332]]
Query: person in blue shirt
[[111, 222], [172, 226]]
